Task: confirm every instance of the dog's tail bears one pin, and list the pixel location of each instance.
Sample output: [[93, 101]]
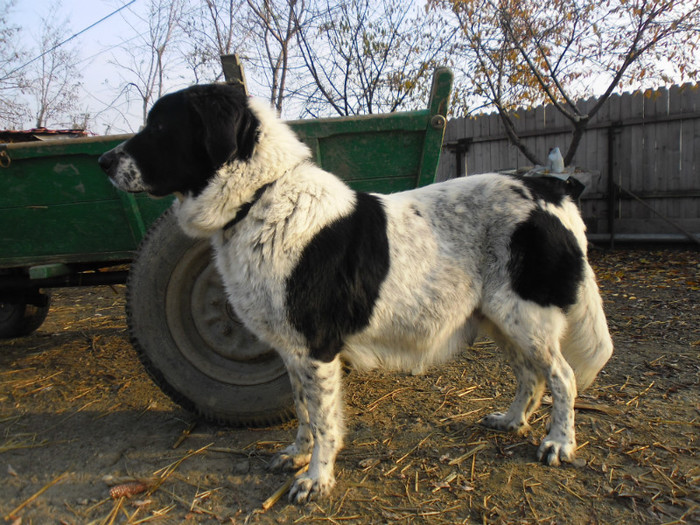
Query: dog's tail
[[587, 345]]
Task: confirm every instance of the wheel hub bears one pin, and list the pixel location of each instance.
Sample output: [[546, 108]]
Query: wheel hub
[[217, 323]]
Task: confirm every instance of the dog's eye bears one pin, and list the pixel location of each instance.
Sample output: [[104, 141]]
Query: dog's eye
[[154, 127]]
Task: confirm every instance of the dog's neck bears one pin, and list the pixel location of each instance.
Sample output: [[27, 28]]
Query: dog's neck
[[243, 210], [277, 152]]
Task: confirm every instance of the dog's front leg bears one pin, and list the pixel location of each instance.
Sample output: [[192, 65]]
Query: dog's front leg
[[322, 394], [298, 453]]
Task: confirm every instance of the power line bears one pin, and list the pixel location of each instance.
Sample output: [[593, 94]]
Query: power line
[[118, 44], [8, 75]]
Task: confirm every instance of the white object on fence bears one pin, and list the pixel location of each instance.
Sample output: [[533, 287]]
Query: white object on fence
[[555, 162]]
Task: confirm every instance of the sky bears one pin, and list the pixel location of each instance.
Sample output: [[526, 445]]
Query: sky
[[98, 48]]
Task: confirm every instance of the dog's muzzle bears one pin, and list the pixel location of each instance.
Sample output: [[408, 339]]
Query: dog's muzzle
[[108, 162], [122, 170]]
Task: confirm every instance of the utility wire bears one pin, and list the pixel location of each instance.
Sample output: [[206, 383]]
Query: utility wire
[[8, 75]]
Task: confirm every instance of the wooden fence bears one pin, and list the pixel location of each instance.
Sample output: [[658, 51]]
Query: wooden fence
[[641, 152]]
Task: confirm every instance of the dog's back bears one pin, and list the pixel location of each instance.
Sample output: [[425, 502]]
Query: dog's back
[[462, 250]]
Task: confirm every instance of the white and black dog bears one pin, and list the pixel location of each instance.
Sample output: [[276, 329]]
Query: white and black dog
[[324, 273]]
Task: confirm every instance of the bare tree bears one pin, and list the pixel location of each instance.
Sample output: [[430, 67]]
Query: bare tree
[[12, 79], [262, 32], [527, 52], [213, 28], [368, 56], [152, 55], [321, 56], [54, 79], [278, 23]]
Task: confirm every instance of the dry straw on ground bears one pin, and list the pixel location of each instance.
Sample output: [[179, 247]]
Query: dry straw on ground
[[75, 406]]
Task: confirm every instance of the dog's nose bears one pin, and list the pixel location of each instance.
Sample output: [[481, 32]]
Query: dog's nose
[[106, 162]]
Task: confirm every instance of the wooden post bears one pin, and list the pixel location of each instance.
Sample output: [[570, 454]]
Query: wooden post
[[613, 129], [233, 71]]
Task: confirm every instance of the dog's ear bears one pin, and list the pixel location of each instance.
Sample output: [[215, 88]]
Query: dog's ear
[[228, 127]]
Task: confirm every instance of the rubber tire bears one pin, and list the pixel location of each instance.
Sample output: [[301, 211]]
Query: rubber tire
[[191, 342], [21, 319]]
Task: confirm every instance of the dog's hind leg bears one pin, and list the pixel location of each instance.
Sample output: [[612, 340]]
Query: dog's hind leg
[[560, 442], [298, 453], [321, 393], [536, 332]]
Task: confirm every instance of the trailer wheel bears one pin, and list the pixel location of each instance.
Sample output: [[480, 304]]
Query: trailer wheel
[[191, 342], [19, 318]]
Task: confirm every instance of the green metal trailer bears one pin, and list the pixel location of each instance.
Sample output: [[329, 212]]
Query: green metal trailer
[[64, 224]]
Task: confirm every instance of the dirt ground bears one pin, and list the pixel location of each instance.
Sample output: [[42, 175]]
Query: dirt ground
[[79, 416]]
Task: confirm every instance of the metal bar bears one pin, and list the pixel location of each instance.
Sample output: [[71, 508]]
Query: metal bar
[[460, 148], [677, 226], [14, 283], [638, 237], [56, 147], [675, 194], [597, 126], [328, 127]]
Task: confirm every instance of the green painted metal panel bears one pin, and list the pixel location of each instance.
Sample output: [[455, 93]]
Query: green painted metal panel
[[387, 122], [57, 205], [93, 227], [47, 181], [372, 155]]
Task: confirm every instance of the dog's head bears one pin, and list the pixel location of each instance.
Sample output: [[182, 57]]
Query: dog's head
[[188, 136]]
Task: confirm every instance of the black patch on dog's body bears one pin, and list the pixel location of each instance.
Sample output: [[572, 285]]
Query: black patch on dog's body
[[546, 263], [333, 289], [520, 192], [547, 189], [550, 189]]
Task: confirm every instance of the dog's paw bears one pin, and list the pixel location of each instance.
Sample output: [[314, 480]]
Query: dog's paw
[[554, 451], [306, 488], [500, 421], [289, 459]]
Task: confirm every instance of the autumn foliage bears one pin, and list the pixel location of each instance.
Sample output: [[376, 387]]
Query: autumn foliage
[[522, 53]]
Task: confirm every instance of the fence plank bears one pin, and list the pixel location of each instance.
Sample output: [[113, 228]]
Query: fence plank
[[495, 150], [691, 104], [656, 153], [676, 174], [634, 150]]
